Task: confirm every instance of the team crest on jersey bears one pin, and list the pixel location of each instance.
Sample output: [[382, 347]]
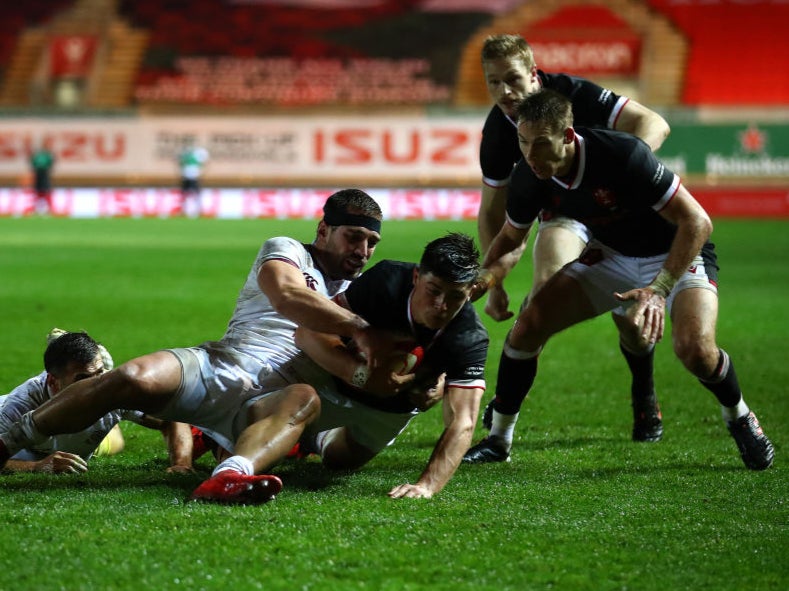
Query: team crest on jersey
[[604, 198]]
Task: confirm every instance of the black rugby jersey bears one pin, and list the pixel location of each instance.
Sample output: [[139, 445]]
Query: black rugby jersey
[[381, 296], [617, 189], [593, 106]]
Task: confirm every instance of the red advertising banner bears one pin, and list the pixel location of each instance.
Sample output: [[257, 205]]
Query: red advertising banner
[[590, 57], [396, 204], [587, 41], [71, 56]]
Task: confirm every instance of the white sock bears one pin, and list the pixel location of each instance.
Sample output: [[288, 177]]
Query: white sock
[[503, 426], [732, 413], [237, 464], [324, 438]]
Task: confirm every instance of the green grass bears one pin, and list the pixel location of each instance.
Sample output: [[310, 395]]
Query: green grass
[[581, 507]]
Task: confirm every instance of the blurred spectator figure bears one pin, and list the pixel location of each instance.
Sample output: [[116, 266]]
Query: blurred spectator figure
[[191, 161], [41, 162]]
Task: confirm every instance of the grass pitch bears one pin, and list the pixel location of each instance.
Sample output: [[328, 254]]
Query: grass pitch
[[580, 507]]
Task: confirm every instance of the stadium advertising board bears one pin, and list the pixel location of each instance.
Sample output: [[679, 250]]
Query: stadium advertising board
[[397, 204], [402, 150]]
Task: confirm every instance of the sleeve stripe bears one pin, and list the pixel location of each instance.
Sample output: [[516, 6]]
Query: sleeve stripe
[[515, 224], [668, 195], [614, 116], [496, 183]]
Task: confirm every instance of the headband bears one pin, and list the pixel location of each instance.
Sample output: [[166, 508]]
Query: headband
[[334, 216]]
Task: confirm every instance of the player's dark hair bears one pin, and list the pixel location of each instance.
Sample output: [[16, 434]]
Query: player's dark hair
[[352, 207], [507, 46], [70, 347], [453, 258], [546, 106], [354, 201]]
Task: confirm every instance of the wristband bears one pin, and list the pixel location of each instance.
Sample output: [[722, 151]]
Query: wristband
[[663, 283], [360, 376], [487, 277]]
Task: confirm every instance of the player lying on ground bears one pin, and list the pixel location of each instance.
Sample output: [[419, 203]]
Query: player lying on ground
[[210, 385], [68, 358]]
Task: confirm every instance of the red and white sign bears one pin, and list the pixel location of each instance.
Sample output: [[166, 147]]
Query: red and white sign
[[264, 150], [71, 56], [397, 204], [400, 204], [594, 57], [585, 40]]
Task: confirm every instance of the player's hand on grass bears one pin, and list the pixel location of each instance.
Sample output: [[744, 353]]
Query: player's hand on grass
[[647, 312], [180, 469], [410, 491], [62, 462], [498, 303]]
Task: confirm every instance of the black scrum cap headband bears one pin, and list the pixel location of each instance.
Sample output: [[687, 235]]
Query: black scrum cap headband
[[334, 216]]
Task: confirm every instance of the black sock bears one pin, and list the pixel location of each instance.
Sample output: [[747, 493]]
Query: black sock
[[642, 370], [515, 379], [723, 382]]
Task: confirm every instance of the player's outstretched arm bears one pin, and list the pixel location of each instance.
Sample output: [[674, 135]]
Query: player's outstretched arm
[[59, 462], [453, 443], [180, 445]]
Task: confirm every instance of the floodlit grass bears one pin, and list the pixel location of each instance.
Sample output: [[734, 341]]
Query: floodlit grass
[[581, 507]]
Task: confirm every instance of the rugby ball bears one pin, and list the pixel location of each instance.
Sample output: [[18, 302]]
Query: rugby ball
[[406, 359]]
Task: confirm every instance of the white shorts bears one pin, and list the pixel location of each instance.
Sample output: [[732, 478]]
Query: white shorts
[[605, 271], [214, 390], [568, 224], [371, 428]]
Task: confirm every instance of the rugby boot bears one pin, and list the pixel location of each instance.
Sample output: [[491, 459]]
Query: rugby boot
[[756, 450], [229, 487], [490, 449]]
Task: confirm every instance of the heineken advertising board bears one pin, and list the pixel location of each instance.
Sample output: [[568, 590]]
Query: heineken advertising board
[[747, 151]]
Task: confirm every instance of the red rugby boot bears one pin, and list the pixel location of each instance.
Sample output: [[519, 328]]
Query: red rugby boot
[[234, 488]]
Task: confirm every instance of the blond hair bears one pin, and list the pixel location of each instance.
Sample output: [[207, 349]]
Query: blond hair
[[507, 46]]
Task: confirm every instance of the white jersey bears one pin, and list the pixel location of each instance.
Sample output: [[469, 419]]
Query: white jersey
[[256, 356], [258, 333], [32, 394]]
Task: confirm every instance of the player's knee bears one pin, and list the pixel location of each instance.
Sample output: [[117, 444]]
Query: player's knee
[[305, 403], [129, 374], [526, 334], [632, 337], [697, 355], [133, 377]]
